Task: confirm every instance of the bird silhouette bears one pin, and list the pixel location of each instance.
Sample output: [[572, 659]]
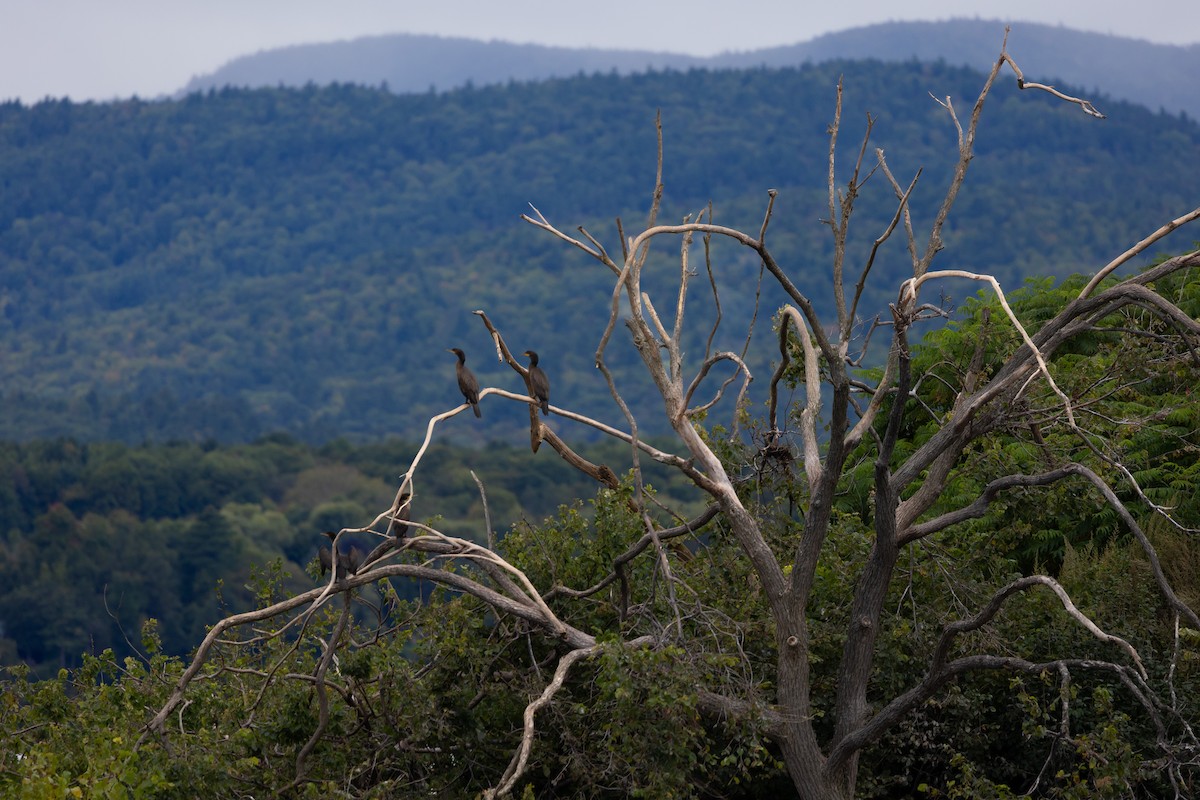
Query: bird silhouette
[[538, 382], [466, 381], [348, 560], [397, 528]]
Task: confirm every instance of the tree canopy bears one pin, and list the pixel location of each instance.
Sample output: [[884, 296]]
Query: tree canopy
[[100, 537], [959, 565], [237, 263]]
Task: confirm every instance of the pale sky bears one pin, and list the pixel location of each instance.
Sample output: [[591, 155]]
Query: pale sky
[[105, 49]]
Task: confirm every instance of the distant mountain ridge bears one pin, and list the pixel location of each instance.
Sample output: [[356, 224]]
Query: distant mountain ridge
[[410, 63], [1154, 75]]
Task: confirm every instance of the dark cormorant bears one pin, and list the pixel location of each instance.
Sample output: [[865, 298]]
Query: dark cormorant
[[354, 559], [397, 528], [400, 530], [348, 560], [466, 381], [539, 383]]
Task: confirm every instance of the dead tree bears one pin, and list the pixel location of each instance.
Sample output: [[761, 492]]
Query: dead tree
[[858, 417], [904, 492]]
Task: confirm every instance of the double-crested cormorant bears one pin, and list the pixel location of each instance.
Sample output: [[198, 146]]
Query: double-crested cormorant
[[348, 560], [539, 383], [466, 381], [397, 528]]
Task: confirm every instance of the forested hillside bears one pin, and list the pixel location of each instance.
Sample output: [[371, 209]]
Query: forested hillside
[[961, 566], [427, 678], [242, 262], [98, 538]]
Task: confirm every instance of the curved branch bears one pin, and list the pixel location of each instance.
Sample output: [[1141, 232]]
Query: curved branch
[[1023, 84], [979, 507], [704, 370], [875, 728], [910, 289], [953, 630], [1137, 248], [1151, 554], [528, 609], [941, 670], [810, 416], [598, 253], [689, 527], [516, 767], [233, 621]]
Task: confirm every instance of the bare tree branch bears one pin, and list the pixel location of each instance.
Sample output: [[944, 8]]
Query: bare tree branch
[[981, 504], [1140, 247], [1087, 107], [941, 670], [686, 529], [517, 768]]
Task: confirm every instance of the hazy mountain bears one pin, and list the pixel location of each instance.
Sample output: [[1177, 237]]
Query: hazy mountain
[[1154, 75], [416, 63]]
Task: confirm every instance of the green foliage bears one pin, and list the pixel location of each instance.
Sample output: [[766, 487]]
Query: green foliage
[[289, 200], [74, 736], [86, 558], [240, 262], [433, 705], [1130, 386]]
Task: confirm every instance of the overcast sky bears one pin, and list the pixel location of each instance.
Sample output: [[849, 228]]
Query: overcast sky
[[102, 49]]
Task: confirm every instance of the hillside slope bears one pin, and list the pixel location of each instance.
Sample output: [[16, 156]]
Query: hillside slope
[[249, 261]]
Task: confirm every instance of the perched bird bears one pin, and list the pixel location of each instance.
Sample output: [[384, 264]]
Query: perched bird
[[403, 504], [353, 560], [348, 560], [397, 529], [539, 383], [466, 380]]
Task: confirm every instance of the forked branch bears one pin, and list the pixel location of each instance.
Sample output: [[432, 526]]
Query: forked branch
[[516, 767], [941, 669]]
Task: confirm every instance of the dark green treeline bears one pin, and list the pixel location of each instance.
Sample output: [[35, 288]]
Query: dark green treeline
[[96, 538]]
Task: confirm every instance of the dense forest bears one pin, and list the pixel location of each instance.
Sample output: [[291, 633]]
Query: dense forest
[[431, 688], [239, 262], [963, 565], [100, 537]]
